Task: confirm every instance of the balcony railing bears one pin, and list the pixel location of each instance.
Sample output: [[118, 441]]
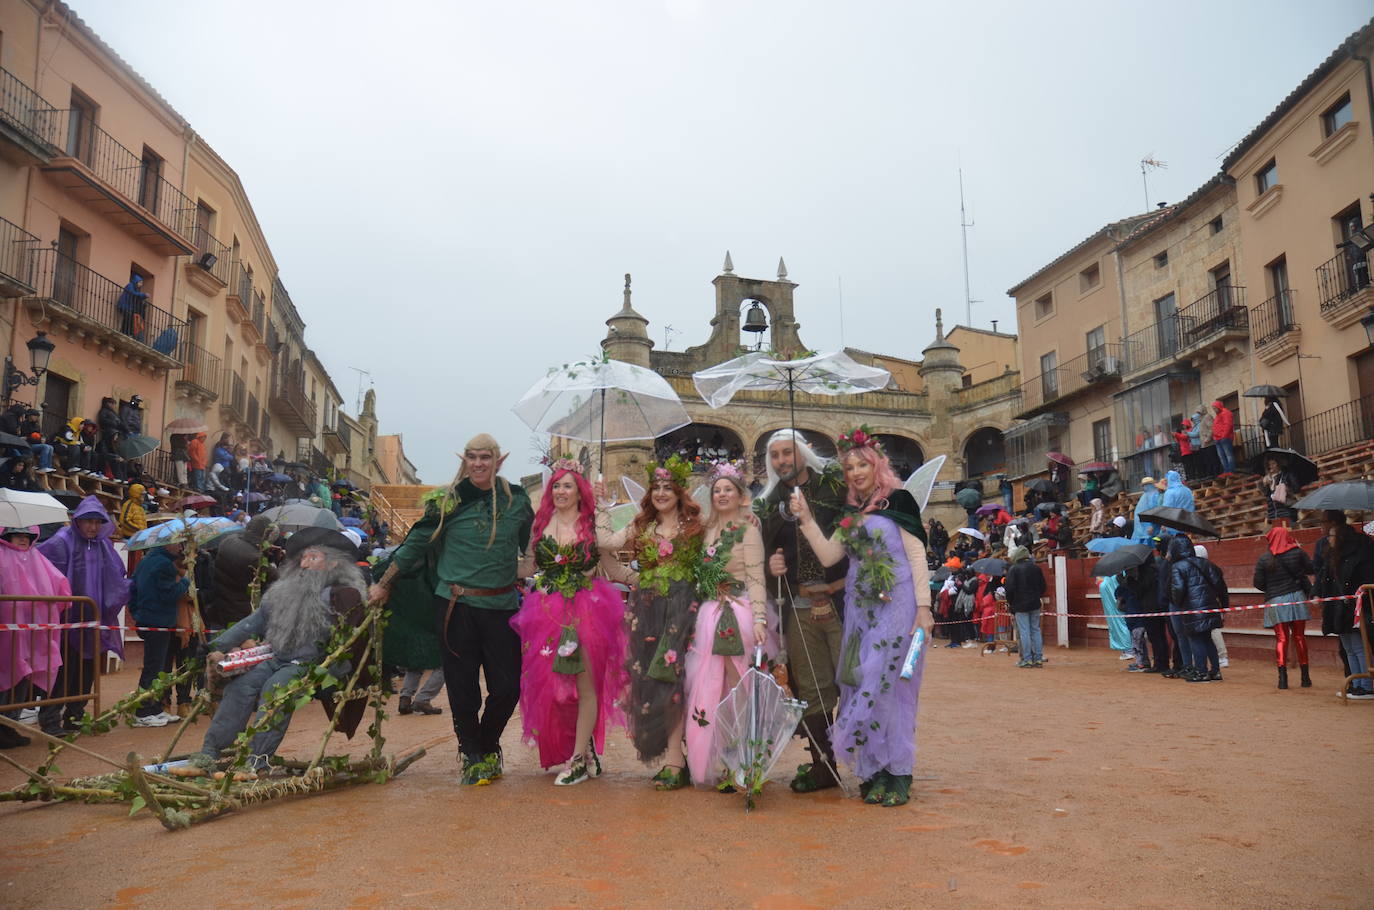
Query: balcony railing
[[206, 243], [201, 370], [17, 247], [1101, 364], [296, 408], [317, 461], [259, 314], [1333, 429], [1342, 277], [1272, 319], [266, 434], [1223, 310], [252, 415], [235, 399], [24, 112], [136, 180], [988, 389], [96, 299]]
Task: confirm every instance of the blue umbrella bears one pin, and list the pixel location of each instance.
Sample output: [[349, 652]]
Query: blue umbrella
[[278, 478], [351, 522], [1108, 544], [181, 530]]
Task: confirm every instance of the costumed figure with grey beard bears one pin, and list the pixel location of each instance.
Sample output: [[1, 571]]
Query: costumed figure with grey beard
[[319, 587]]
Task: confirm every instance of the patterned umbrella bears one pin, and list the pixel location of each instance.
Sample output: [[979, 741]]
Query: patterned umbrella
[[199, 531]]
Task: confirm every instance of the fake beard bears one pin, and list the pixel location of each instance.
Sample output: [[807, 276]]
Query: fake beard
[[300, 614]]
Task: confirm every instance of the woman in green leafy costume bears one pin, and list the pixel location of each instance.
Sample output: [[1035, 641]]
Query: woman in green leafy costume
[[665, 538], [732, 619]]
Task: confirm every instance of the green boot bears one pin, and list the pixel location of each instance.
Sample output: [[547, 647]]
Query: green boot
[[874, 790], [898, 790]]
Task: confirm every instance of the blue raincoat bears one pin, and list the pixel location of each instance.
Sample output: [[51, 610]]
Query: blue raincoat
[[1143, 530], [1177, 496]]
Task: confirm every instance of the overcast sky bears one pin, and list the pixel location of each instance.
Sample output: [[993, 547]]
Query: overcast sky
[[454, 190]]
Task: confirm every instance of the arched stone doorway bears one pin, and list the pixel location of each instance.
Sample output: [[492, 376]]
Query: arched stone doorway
[[905, 453], [984, 453]]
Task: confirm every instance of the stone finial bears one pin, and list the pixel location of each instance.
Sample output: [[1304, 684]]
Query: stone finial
[[627, 292], [939, 323], [782, 270], [729, 268]]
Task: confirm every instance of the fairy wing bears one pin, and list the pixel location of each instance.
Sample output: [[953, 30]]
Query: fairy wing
[[922, 480]]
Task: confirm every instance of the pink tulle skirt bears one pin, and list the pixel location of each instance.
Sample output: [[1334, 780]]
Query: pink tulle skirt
[[548, 700]]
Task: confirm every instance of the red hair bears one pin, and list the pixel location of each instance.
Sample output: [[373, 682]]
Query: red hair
[[586, 509], [688, 512], [885, 479]]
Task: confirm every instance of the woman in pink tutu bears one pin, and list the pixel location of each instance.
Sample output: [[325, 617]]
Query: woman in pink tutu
[[572, 634], [731, 622]]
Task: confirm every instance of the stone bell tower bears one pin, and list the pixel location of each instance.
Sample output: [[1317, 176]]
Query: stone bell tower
[[774, 296], [627, 339]]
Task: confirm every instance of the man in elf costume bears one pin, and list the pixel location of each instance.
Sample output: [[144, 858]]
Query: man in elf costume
[[475, 531], [811, 594]]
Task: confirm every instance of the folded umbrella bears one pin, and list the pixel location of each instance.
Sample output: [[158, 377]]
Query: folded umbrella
[[1303, 469], [754, 723], [19, 509], [1120, 560], [1352, 495], [1181, 520]]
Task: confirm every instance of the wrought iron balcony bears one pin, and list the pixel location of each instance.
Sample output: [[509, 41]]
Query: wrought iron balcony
[[293, 406], [28, 124], [266, 434], [1208, 322], [200, 374], [234, 401], [1100, 365], [252, 417], [1344, 288], [1274, 328], [17, 247], [239, 298], [87, 302], [335, 438], [313, 458], [209, 266], [112, 180]]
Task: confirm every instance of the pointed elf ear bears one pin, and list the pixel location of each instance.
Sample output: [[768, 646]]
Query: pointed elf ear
[[502, 460]]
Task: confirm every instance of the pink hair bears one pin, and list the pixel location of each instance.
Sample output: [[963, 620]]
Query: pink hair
[[586, 509], [885, 479]]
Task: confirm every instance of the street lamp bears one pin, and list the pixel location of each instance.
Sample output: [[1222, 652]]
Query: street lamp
[[40, 352]]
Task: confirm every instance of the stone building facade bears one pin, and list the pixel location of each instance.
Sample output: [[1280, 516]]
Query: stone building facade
[[934, 405]]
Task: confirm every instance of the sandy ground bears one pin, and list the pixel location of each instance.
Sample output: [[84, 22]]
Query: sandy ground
[[1078, 785]]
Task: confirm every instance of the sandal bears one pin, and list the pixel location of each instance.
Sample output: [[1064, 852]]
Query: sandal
[[670, 777]]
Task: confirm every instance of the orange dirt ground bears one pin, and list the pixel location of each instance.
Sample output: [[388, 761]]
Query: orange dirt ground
[[1078, 785]]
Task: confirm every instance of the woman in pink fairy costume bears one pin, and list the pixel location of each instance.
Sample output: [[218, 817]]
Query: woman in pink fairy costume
[[572, 634], [731, 621]]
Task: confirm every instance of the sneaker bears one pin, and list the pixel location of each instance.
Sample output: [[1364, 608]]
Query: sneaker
[[1023, 663], [152, 720], [1126, 655], [1037, 664], [577, 772], [968, 644], [472, 769], [1224, 663], [170, 718], [28, 716], [596, 759], [491, 769], [1137, 668], [1002, 650], [1360, 696], [1214, 677]]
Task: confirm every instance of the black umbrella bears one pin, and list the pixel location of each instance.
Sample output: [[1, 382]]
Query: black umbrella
[[1181, 520], [1041, 485], [939, 575], [1121, 559], [1265, 391], [13, 442], [1303, 469], [1355, 495], [990, 565]]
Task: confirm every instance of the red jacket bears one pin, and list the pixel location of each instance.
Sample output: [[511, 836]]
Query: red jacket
[[985, 613], [1224, 424], [1184, 446], [195, 453]]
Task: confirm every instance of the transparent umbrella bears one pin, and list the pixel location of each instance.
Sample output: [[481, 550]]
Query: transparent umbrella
[[602, 401], [754, 723], [19, 509]]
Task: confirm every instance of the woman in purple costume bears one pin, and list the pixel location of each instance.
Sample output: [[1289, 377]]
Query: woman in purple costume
[[887, 598]]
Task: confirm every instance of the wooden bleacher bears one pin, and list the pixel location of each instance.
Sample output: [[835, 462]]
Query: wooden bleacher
[[399, 505]]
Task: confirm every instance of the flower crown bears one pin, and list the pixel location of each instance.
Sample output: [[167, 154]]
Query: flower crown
[[562, 463], [861, 438], [674, 469], [729, 469]]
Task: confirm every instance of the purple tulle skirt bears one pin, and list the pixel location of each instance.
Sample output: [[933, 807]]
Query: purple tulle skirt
[[548, 700]]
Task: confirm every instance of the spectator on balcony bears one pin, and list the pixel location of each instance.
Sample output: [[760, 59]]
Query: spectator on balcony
[[1223, 433], [1272, 422], [132, 306], [112, 432], [132, 415], [180, 456], [30, 429]]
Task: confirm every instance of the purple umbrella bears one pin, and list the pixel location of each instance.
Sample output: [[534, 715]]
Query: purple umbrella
[[256, 497], [990, 509]]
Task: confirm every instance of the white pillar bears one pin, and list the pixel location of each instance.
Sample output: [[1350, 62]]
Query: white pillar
[[1061, 599]]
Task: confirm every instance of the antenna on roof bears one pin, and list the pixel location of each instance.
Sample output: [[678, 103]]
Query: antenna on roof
[[358, 408], [964, 225], [1147, 163]]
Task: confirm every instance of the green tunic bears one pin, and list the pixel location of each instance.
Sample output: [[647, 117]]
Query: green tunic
[[468, 552]]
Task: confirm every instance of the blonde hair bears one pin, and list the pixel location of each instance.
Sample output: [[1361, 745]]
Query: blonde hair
[[482, 442]]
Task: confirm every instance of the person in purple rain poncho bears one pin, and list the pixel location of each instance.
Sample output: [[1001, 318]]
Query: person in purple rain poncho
[[82, 551], [887, 598]]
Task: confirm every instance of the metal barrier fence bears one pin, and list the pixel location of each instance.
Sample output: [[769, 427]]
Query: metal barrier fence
[[56, 669]]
